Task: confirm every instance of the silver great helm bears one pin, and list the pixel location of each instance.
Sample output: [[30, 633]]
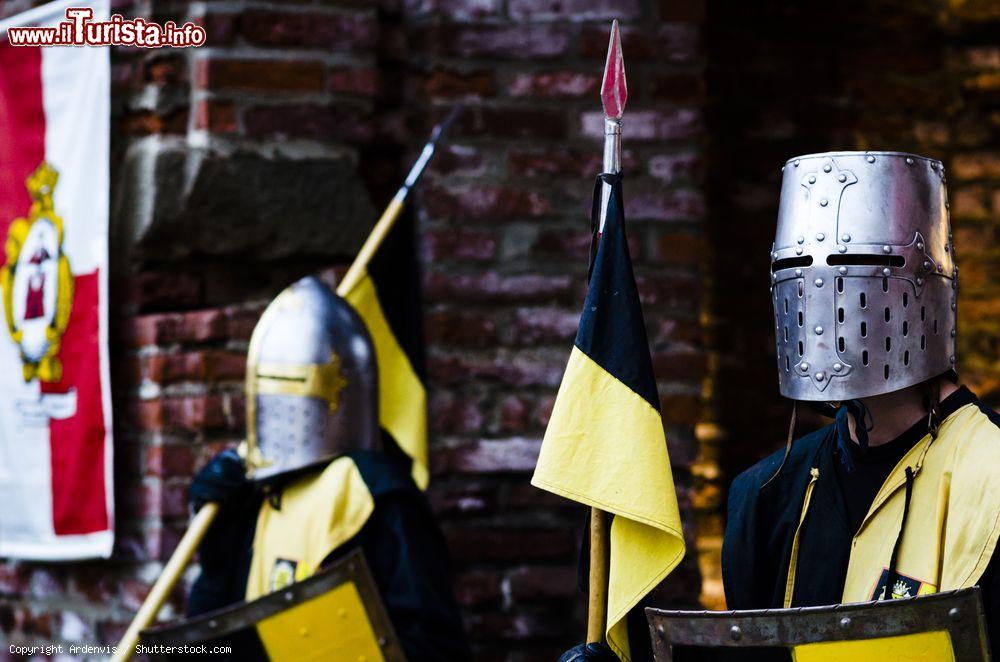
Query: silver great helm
[[863, 275], [311, 384]]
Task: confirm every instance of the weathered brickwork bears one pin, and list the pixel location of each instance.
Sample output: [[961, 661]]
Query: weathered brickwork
[[299, 118], [506, 240]]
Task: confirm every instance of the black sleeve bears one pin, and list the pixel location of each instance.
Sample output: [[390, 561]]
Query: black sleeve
[[740, 571], [989, 584], [409, 561], [224, 556]]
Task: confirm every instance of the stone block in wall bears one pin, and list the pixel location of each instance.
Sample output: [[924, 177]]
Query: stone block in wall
[[176, 202]]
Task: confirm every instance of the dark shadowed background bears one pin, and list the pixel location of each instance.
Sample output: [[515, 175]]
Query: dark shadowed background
[[267, 154]]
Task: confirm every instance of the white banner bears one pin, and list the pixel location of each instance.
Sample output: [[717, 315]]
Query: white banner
[[55, 402]]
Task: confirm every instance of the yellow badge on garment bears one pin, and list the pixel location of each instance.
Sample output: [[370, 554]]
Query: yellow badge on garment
[[315, 515], [953, 521]]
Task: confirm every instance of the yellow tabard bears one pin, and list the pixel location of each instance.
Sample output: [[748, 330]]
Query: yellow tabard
[[954, 516], [318, 513]]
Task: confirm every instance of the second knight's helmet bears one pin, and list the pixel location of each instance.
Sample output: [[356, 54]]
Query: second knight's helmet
[[311, 383], [863, 275]]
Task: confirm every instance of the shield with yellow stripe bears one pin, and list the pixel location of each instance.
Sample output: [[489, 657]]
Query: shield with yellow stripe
[[336, 614], [942, 627]]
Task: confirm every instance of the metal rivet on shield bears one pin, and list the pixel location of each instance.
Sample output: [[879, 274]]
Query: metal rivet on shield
[[842, 179], [818, 330], [886, 249], [798, 250], [812, 179], [735, 633], [818, 282], [804, 367], [801, 239], [955, 613], [920, 245], [871, 159], [820, 376], [837, 367], [927, 265], [845, 237], [953, 333], [827, 168], [661, 631], [798, 273], [842, 248], [909, 161], [796, 162], [845, 622], [939, 268], [824, 202], [920, 281], [820, 237], [843, 271], [887, 271], [289, 597], [951, 359]]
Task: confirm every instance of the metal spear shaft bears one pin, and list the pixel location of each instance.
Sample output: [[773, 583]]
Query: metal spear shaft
[[202, 521], [614, 93]]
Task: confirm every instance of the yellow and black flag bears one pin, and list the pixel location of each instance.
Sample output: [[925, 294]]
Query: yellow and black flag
[[605, 445], [387, 297], [383, 286]]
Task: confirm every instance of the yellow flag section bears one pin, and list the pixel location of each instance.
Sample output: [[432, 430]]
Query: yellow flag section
[[402, 397], [383, 286], [595, 422], [604, 445]]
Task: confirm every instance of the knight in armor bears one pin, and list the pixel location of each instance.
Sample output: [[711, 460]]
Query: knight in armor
[[900, 495], [311, 483]]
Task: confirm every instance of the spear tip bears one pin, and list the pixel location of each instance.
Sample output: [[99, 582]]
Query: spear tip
[[614, 91]]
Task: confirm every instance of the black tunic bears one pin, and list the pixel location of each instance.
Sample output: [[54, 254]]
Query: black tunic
[[401, 542], [762, 521]]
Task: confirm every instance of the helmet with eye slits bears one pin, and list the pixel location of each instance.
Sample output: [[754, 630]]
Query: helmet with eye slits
[[311, 384], [863, 275]]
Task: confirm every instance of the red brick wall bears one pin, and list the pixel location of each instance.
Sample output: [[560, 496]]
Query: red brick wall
[[506, 236], [504, 227]]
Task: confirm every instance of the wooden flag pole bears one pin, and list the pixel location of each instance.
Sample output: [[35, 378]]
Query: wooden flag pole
[[613, 95], [597, 605], [357, 269], [166, 582]]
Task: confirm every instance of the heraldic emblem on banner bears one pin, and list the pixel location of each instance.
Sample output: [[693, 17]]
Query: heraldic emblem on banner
[[37, 282]]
